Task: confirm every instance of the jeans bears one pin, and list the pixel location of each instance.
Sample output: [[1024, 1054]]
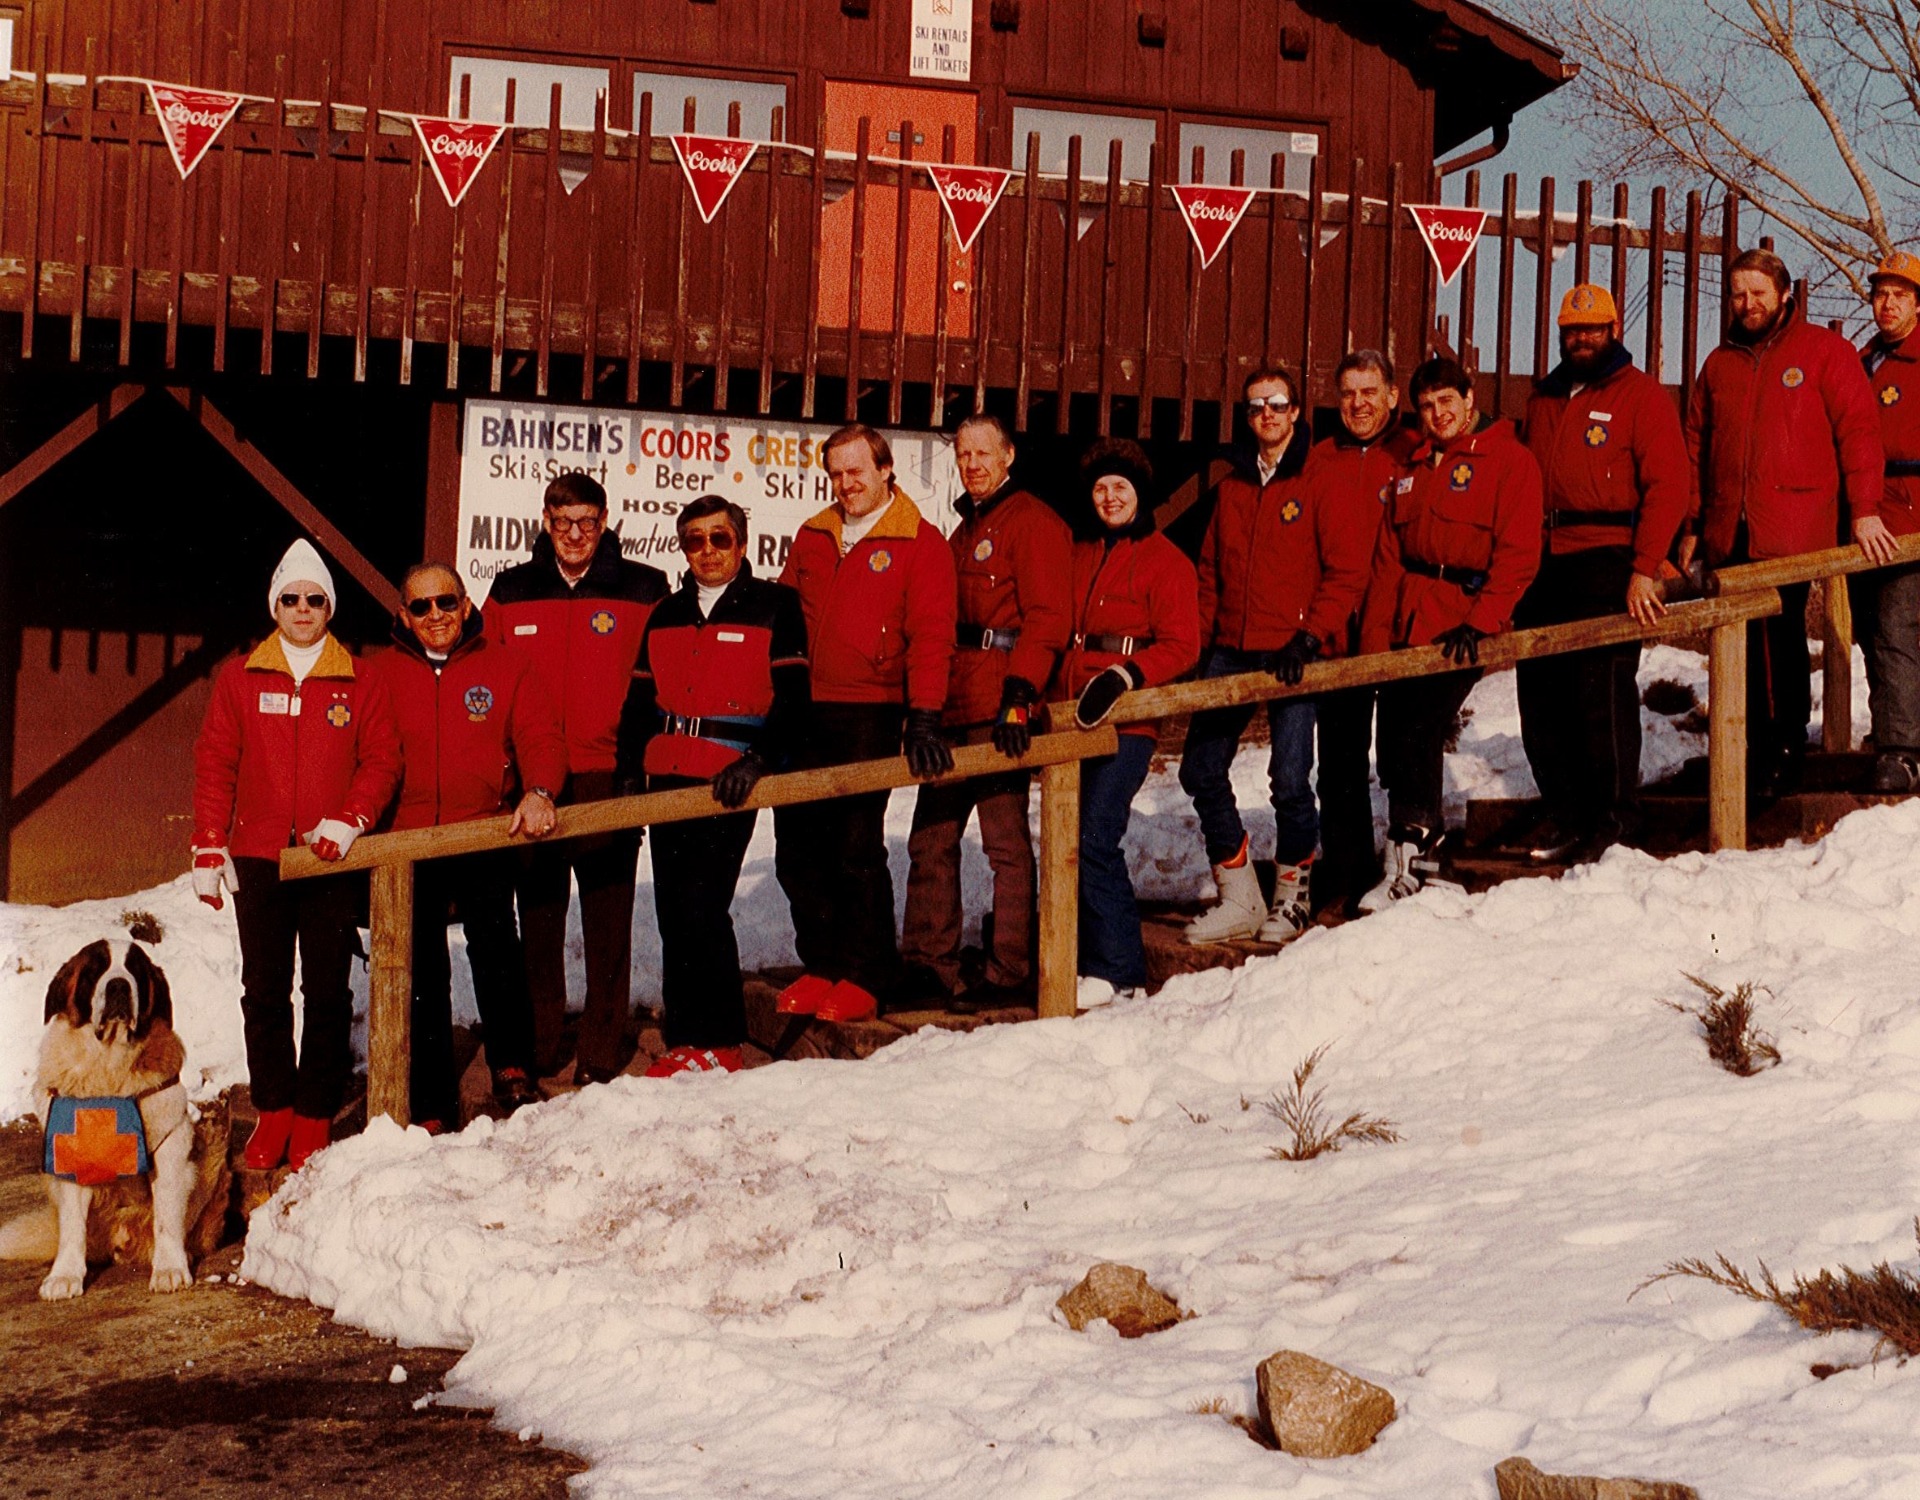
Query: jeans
[[1110, 946], [1206, 765]]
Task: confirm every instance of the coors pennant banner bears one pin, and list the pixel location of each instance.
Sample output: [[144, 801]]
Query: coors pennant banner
[[713, 164], [456, 150], [1450, 235], [191, 120], [1212, 214], [970, 194]]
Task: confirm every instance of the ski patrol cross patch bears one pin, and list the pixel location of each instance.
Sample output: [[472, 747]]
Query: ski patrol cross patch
[[1290, 512], [94, 1141], [1792, 376], [983, 549], [880, 561], [479, 701], [1597, 436], [602, 622], [1889, 395], [1461, 477], [1386, 492], [339, 715]]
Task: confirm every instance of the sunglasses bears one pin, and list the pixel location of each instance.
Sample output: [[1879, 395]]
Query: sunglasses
[[1274, 404], [445, 603], [698, 541], [313, 601]]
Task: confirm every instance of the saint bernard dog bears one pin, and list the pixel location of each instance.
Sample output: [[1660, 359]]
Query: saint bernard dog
[[109, 1034]]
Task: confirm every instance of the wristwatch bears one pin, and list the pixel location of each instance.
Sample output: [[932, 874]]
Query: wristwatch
[[540, 791]]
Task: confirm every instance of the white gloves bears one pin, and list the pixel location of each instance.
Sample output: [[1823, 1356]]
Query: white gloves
[[331, 838], [211, 867]]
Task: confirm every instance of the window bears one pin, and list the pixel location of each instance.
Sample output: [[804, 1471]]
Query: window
[[1056, 127], [1295, 148], [712, 98], [532, 90], [9, 15]]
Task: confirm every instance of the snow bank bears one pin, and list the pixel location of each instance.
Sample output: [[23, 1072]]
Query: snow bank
[[836, 1279]]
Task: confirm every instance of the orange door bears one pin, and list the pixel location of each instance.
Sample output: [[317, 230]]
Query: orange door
[[931, 111]]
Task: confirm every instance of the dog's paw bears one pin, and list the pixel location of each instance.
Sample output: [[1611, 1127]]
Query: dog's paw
[[58, 1287], [169, 1279]]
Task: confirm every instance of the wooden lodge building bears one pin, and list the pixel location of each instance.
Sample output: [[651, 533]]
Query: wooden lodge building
[[289, 340]]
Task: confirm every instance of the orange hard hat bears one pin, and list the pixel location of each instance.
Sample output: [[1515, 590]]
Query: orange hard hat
[[1587, 306], [1902, 265]]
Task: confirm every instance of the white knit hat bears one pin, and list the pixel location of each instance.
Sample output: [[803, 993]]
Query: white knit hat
[[302, 564]]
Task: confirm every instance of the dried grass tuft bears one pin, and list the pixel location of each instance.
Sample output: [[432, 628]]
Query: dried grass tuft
[[142, 926], [1883, 1300], [1726, 1021], [1303, 1111], [1211, 1406]]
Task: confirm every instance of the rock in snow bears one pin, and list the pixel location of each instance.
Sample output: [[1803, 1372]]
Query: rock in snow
[[1124, 1297], [1520, 1480], [1317, 1410]]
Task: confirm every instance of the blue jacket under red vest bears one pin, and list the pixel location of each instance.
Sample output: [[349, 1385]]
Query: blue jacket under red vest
[[706, 689]]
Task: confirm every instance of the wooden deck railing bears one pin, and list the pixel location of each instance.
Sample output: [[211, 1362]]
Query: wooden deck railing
[[1056, 756]]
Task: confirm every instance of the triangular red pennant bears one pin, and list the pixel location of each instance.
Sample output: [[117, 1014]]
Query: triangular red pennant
[[191, 120], [1212, 214], [970, 194], [1450, 233], [456, 150], [713, 164]]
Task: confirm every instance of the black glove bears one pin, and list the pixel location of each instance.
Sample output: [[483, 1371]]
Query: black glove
[[735, 783], [928, 753], [1461, 644], [1098, 697], [1294, 658], [1012, 734]]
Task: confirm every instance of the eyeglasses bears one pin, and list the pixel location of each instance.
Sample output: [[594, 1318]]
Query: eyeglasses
[[701, 541], [445, 603], [313, 601], [559, 525], [1274, 405]]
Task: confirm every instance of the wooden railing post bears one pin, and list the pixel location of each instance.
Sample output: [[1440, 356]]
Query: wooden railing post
[[1727, 737], [1836, 660], [1058, 979], [390, 992]]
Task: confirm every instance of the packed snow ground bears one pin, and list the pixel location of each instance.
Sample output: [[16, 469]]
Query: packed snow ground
[[837, 1279]]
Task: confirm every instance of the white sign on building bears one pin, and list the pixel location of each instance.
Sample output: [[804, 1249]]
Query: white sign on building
[[942, 40], [652, 464]]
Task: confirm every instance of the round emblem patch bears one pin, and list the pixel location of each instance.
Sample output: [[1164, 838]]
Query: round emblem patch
[[1386, 493], [983, 549], [1597, 436], [881, 560], [1290, 512], [479, 701], [1461, 476], [339, 715], [1889, 395], [603, 622], [1792, 376]]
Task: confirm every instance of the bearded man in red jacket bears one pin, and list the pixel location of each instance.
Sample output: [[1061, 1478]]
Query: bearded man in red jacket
[[479, 734], [1782, 427]]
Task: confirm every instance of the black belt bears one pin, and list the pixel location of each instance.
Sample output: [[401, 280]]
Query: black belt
[[984, 638], [1901, 467], [1624, 519], [734, 733], [1118, 645], [1468, 580]]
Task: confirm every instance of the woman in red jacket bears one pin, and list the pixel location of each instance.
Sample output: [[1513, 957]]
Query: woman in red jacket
[[299, 746], [1136, 623]]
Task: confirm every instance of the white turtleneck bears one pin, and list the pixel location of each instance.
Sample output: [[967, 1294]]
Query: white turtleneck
[[853, 528], [709, 596], [301, 659]]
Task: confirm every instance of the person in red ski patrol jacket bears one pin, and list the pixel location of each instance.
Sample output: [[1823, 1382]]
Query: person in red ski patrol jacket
[[1136, 623], [1887, 600], [1782, 424], [475, 721], [577, 609], [1461, 544], [876, 583], [718, 689], [299, 746], [1281, 572], [1011, 554], [1355, 472], [1613, 460]]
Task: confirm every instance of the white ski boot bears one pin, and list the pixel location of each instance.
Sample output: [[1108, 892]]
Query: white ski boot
[[1291, 914], [1412, 864], [1240, 911]]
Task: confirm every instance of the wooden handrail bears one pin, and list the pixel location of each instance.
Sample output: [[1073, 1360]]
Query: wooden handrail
[[1806, 567], [785, 790]]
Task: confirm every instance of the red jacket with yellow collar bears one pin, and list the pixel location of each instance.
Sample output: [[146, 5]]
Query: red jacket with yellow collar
[[1461, 543], [1894, 375], [275, 757], [880, 619]]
